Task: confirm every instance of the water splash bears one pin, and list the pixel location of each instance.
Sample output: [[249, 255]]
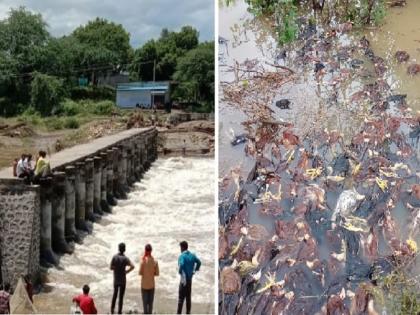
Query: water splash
[[174, 202]]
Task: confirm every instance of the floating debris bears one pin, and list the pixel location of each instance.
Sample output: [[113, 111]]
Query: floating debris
[[347, 203], [402, 56], [239, 139], [283, 104]]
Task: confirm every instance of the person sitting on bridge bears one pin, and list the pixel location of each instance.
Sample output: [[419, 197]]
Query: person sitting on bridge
[[42, 167], [85, 301], [28, 165], [4, 299], [21, 171]]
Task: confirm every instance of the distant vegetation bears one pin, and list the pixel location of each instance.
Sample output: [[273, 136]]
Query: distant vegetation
[[39, 74], [359, 12]]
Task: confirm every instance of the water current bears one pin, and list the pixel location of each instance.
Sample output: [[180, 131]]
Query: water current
[[173, 202]]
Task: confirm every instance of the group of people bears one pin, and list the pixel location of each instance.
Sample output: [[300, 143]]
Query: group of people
[[23, 167], [149, 269]]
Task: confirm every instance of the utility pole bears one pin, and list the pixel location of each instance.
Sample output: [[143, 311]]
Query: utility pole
[[154, 70]]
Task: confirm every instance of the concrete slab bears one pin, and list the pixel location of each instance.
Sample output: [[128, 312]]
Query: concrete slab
[[70, 155]]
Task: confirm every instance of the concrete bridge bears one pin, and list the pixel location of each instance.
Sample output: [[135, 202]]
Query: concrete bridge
[[38, 222]]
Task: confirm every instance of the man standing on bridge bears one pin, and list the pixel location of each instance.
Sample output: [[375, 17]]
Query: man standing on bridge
[[119, 265], [188, 265]]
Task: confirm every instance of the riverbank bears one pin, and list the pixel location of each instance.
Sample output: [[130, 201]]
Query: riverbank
[[28, 135], [194, 138]]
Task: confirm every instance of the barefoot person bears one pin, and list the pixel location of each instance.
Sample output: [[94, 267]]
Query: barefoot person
[[119, 265], [85, 302], [188, 265], [149, 269]]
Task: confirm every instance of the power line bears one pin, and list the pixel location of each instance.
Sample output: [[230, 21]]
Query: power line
[[74, 70]]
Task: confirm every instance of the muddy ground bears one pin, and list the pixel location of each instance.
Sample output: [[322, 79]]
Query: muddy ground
[[17, 138], [198, 137]]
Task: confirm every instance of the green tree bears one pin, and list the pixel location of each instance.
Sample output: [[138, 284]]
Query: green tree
[[143, 61], [165, 51], [106, 46], [22, 36], [195, 74], [46, 93]]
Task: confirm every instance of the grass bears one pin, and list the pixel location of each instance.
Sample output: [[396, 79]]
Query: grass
[[398, 293]]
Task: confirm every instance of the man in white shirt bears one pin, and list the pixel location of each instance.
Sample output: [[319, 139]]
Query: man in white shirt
[[20, 168]]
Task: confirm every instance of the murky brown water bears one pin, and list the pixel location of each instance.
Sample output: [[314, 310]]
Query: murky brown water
[[401, 31], [252, 39], [316, 103]]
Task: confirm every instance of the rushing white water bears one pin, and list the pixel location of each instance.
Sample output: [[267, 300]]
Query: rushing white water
[[174, 202]]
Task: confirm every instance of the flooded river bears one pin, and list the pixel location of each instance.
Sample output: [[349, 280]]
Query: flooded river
[[174, 202]]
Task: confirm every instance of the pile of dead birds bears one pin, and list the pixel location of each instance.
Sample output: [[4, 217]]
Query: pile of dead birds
[[339, 216]]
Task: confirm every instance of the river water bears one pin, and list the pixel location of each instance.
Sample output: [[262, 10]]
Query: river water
[[246, 38], [174, 202]]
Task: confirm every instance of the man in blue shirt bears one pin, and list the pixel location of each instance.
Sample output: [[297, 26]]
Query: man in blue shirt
[[188, 265]]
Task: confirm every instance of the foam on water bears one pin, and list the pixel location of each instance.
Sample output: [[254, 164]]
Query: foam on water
[[173, 202]]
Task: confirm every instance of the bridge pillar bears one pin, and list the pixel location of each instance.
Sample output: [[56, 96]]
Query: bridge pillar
[[59, 243], [104, 174], [47, 253], [142, 154], [122, 178], [89, 173], [132, 159], [110, 178], [127, 170], [70, 229], [97, 177], [146, 155], [136, 159], [117, 190], [80, 184]]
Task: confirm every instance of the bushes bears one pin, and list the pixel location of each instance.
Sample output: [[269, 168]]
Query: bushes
[[31, 116], [103, 108], [70, 108], [54, 123], [71, 123], [92, 92], [46, 93], [8, 108], [286, 25], [58, 123]]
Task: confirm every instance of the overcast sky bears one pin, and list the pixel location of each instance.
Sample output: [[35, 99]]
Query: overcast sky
[[143, 19]]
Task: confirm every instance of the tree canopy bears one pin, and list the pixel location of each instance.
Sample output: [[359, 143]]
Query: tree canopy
[[195, 73], [165, 51], [37, 69]]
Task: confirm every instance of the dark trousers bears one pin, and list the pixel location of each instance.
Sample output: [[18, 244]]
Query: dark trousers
[[184, 293], [121, 289], [148, 296]]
